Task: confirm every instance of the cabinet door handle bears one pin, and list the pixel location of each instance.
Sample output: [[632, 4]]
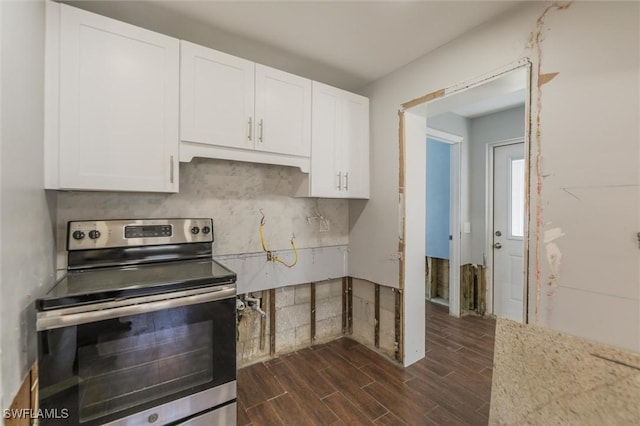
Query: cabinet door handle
[[339, 185], [249, 125], [260, 130], [171, 169], [346, 181]]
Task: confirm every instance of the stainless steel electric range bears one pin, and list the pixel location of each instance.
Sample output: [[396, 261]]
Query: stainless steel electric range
[[141, 330]]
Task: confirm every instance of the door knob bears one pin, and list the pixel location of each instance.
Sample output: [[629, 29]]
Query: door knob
[[497, 245]]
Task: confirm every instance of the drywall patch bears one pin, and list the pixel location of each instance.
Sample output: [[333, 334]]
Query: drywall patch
[[545, 78], [554, 258], [535, 42], [553, 234]]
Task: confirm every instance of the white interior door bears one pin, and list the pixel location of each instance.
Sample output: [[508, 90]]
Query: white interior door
[[508, 230]]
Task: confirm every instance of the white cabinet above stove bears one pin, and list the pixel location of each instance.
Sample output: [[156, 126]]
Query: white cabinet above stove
[[111, 104], [235, 109]]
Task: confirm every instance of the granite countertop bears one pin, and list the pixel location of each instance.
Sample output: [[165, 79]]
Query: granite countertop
[[542, 377]]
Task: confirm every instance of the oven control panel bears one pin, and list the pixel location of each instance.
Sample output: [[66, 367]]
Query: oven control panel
[[94, 234]]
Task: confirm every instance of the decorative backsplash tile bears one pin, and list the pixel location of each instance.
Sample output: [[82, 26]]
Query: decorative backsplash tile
[[232, 193]]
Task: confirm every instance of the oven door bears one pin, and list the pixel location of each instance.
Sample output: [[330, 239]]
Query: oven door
[[162, 357]]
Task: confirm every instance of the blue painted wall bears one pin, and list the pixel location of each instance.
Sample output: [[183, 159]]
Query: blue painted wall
[[437, 199]]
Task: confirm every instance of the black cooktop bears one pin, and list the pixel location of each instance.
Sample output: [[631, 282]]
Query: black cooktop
[[79, 287]]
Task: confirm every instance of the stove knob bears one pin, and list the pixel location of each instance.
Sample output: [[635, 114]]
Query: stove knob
[[78, 235], [94, 235], [206, 230], [195, 230]]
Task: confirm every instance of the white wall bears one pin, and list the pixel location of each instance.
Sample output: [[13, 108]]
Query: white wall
[[496, 127], [156, 18], [459, 126], [583, 249], [26, 247], [415, 188]]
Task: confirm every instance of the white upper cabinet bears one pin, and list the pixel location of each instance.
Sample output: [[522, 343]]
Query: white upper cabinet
[[283, 112], [216, 97], [326, 147], [355, 137], [113, 120], [235, 109], [340, 144]]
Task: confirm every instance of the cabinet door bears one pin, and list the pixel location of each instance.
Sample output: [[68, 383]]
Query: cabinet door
[[326, 142], [118, 105], [356, 140], [283, 112], [216, 97]]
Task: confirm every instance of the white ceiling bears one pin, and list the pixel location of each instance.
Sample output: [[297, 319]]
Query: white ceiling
[[364, 40], [507, 91]]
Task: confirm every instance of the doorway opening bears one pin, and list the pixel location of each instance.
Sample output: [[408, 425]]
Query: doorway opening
[[442, 241], [483, 116]]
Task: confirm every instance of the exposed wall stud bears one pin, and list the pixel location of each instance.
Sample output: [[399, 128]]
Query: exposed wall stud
[[377, 316], [272, 322], [313, 312], [344, 305], [350, 304], [398, 324], [263, 322], [482, 290]]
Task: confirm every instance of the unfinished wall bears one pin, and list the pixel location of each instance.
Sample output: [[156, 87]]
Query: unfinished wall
[[364, 317], [585, 198], [496, 127], [26, 247], [293, 321], [438, 278]]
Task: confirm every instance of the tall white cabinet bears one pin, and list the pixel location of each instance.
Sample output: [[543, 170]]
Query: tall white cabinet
[[340, 144], [112, 104]]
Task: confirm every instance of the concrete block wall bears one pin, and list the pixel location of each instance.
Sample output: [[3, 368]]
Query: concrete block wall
[[293, 318], [363, 311], [364, 316], [292, 321], [387, 321]]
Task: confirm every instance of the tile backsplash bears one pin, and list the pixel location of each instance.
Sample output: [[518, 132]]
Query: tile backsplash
[[232, 193]]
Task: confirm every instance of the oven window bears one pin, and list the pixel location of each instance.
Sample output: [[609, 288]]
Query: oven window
[[137, 359]]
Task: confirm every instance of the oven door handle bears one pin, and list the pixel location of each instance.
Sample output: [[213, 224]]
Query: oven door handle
[[49, 320]]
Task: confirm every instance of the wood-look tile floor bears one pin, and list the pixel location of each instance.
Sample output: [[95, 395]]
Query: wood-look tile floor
[[344, 383]]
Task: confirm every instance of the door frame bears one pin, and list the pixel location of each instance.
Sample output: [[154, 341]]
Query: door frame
[[411, 119], [455, 142], [489, 228]]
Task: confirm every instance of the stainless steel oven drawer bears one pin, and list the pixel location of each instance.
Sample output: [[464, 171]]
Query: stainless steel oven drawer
[[185, 407], [223, 416]]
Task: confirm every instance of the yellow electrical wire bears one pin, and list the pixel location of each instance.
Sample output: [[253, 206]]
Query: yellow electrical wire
[[270, 255]]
